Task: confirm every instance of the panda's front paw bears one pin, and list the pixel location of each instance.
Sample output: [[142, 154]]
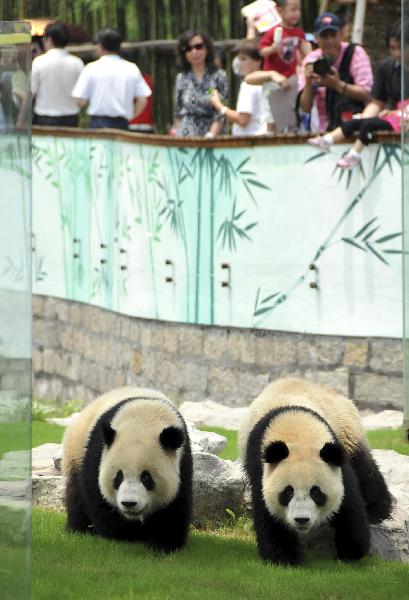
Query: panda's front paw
[[349, 549]]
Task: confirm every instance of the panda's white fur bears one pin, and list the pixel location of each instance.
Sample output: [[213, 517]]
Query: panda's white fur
[[137, 474], [136, 449], [305, 453]]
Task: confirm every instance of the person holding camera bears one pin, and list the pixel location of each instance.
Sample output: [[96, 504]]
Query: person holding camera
[[385, 112], [336, 78]]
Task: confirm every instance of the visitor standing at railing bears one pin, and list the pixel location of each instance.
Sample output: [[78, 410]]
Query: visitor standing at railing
[[336, 78], [194, 113], [52, 79], [112, 87]]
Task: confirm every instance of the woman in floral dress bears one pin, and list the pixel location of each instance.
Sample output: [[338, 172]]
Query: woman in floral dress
[[194, 113]]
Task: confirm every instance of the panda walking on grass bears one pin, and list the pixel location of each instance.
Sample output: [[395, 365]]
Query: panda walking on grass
[[128, 464], [307, 460]]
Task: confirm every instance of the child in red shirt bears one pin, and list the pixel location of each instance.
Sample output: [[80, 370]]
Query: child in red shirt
[[281, 47]]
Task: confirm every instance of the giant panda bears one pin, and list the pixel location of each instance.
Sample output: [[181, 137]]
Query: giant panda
[[307, 461], [128, 464]]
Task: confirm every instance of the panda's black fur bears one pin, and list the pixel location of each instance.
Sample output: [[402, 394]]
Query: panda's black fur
[[366, 498], [87, 511]]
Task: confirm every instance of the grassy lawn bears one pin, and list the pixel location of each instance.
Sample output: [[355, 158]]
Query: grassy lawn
[[220, 564]]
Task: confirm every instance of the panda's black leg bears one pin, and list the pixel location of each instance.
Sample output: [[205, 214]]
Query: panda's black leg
[[352, 534], [378, 501], [167, 529], [77, 517], [276, 543]]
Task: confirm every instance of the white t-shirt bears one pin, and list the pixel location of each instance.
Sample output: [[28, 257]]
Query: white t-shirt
[[249, 101], [52, 78], [110, 85]]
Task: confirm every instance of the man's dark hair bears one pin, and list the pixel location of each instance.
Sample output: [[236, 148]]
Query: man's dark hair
[[184, 41], [281, 3], [58, 32], [110, 39], [249, 48], [395, 32]]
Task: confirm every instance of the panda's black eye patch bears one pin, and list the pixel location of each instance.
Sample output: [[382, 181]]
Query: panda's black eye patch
[[147, 480], [286, 495], [119, 477], [318, 496]]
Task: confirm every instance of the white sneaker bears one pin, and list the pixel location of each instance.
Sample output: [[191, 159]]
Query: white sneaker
[[319, 142]]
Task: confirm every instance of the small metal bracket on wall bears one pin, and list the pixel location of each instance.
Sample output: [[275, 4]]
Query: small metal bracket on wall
[[123, 258], [314, 284], [170, 277], [33, 242], [77, 247], [226, 276], [103, 246]]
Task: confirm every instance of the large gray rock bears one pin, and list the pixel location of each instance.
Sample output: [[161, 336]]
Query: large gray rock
[[217, 485], [206, 441], [48, 491], [43, 456]]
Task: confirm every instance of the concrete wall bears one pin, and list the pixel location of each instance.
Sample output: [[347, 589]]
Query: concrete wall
[[81, 350]]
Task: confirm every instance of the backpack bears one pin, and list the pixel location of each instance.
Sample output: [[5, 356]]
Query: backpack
[[337, 103]]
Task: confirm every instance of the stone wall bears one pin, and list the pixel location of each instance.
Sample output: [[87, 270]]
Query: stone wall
[[81, 350]]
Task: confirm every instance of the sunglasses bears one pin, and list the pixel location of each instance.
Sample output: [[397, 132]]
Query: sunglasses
[[189, 48]]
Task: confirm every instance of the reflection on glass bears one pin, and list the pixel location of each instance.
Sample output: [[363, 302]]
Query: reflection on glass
[[15, 312], [405, 153]]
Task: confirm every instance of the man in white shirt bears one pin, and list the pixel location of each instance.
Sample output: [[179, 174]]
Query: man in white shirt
[[53, 77], [113, 88]]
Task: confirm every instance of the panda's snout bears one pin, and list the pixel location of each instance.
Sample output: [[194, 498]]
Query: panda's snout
[[127, 504], [302, 520]]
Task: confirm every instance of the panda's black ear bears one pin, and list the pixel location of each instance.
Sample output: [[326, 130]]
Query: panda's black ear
[[108, 434], [332, 453], [171, 438], [275, 452]]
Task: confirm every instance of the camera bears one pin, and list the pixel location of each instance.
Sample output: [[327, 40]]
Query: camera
[[323, 65]]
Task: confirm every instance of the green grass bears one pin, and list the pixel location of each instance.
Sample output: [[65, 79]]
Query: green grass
[[390, 439], [230, 452], [44, 433], [219, 565], [14, 436]]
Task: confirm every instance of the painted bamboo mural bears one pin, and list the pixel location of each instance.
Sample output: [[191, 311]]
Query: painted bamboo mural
[[250, 237]]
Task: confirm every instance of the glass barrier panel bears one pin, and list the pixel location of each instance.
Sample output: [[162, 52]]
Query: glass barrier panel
[[405, 213], [15, 311]]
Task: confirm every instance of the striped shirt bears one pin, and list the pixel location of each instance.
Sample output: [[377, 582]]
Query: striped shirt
[[360, 70], [52, 79]]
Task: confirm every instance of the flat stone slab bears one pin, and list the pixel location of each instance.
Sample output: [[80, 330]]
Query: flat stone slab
[[387, 419], [212, 414], [43, 456], [63, 421]]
